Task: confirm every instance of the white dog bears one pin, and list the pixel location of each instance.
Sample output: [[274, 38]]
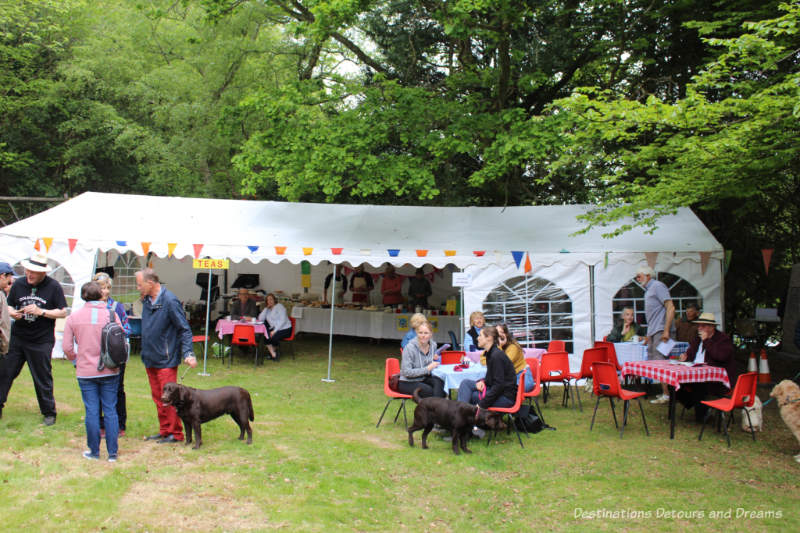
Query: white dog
[[787, 394], [755, 416]]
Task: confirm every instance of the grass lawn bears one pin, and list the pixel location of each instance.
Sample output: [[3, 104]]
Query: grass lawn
[[318, 463]]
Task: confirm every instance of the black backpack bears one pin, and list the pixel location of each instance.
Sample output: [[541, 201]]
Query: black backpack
[[527, 421], [113, 344]]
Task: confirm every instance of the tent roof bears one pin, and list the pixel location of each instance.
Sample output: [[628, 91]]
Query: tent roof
[[232, 228]]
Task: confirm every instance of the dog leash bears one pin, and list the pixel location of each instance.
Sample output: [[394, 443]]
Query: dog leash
[[184, 373], [794, 400]]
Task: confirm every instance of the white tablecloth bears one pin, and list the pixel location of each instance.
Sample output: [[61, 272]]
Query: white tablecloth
[[632, 351], [453, 379], [372, 324]]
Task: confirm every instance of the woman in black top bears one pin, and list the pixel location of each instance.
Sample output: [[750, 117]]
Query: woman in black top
[[499, 387]]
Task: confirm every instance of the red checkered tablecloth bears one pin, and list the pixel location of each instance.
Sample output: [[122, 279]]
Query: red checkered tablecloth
[[673, 374]]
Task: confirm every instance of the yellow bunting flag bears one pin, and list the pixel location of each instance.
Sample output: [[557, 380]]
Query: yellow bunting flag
[[307, 251], [171, 248], [48, 242], [449, 253]]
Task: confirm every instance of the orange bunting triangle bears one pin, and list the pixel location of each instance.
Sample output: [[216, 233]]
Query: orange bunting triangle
[[36, 246], [528, 265], [145, 248], [72, 243], [48, 242], [422, 253], [766, 255], [280, 250], [171, 248], [704, 258], [197, 249]]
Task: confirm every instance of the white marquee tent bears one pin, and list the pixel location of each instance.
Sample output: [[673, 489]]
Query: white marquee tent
[[490, 243]]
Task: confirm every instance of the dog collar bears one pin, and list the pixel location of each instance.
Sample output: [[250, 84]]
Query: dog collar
[[787, 402]]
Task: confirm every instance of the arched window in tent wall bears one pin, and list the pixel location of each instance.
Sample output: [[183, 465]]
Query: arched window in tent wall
[[536, 310], [124, 268], [58, 273], [632, 295]]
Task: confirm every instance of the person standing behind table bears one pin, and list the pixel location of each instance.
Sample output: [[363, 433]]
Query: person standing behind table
[[417, 364], [360, 285], [243, 306], [507, 343], [413, 322], [686, 330], [476, 322], [659, 312], [98, 387], [627, 329], [105, 283], [166, 338], [391, 287], [341, 287], [714, 348], [278, 325], [6, 279], [499, 387], [419, 289], [34, 302]]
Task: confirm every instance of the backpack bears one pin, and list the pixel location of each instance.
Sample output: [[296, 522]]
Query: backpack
[[113, 344], [527, 421]]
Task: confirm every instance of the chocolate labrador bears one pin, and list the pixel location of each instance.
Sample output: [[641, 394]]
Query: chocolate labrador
[[197, 406], [459, 417]]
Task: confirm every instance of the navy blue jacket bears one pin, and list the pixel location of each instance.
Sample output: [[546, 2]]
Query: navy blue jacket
[[166, 335]]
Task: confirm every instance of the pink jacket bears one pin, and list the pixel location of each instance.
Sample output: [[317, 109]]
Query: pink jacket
[[84, 327]]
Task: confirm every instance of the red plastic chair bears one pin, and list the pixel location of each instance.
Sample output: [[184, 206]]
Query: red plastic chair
[[290, 338], [590, 356], [606, 383], [533, 364], [554, 369], [508, 411], [244, 335], [452, 357], [393, 367], [744, 394], [612, 353], [556, 346]]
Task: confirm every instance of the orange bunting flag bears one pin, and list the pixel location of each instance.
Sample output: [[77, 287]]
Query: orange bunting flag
[[651, 259], [449, 253], [36, 246], [197, 249], [307, 251], [704, 258], [72, 243], [171, 248], [528, 265], [280, 250], [145, 248], [766, 255], [48, 242], [422, 253]]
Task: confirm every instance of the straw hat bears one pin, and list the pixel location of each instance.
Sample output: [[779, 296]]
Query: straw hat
[[706, 318], [36, 263]]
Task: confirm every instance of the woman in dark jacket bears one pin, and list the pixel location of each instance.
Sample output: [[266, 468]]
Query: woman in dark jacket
[[499, 387]]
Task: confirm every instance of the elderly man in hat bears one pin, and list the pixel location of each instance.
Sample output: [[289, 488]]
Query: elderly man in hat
[[35, 302], [659, 311], [712, 347], [6, 279]]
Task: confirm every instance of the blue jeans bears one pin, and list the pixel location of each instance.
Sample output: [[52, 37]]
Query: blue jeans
[[468, 392], [529, 383], [97, 392]]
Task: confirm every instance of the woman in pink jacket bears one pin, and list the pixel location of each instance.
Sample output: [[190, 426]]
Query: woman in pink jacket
[[84, 327]]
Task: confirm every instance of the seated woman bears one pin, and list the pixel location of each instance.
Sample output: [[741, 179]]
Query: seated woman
[[278, 325], [499, 387], [417, 364], [476, 322], [413, 323], [625, 330], [243, 306], [514, 352]]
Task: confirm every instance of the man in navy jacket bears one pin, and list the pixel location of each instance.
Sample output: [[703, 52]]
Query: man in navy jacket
[[166, 339]]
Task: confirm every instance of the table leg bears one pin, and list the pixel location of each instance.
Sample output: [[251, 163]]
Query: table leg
[[671, 411]]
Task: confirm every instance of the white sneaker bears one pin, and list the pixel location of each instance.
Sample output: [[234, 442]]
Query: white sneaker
[[660, 399]]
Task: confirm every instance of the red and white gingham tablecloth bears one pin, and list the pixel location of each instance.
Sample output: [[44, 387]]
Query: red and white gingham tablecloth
[[673, 374], [225, 327]]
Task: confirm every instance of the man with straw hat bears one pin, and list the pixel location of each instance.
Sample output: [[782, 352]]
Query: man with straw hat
[[35, 302], [712, 347]]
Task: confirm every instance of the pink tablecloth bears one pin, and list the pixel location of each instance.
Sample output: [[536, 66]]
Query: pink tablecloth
[[673, 374], [225, 327]]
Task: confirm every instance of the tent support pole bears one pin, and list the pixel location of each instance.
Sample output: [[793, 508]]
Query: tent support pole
[[208, 313], [330, 334], [591, 303]]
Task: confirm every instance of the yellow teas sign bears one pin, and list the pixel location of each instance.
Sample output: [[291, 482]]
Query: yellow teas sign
[[211, 264]]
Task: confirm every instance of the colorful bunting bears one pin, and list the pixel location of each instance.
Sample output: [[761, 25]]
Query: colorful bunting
[[704, 258], [422, 253], [652, 257], [308, 250], [337, 251], [366, 251], [171, 248], [766, 255], [564, 251], [36, 246], [122, 243], [280, 250], [479, 253], [72, 243], [197, 249], [518, 257], [449, 253], [48, 242], [528, 266], [393, 252], [253, 249]]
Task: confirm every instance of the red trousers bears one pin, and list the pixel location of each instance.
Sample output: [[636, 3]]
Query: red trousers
[[168, 421]]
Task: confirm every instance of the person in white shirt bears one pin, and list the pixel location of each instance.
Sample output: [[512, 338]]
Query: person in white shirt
[[278, 325]]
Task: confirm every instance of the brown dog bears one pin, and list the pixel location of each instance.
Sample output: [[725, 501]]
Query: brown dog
[[787, 394], [197, 406], [459, 417]]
